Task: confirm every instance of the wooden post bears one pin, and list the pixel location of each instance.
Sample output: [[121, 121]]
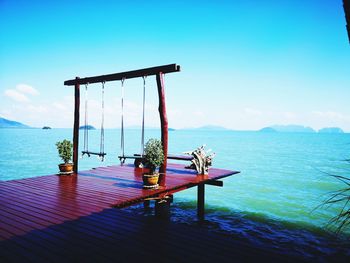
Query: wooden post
[[162, 208], [146, 203], [76, 126], [346, 5], [200, 202], [164, 126]]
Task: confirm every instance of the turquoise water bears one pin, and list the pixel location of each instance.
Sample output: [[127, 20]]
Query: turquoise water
[[283, 178]]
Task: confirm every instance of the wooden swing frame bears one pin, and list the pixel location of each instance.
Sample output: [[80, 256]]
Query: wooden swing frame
[[158, 71]]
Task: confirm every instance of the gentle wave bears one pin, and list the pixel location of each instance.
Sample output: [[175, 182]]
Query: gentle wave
[[284, 177]]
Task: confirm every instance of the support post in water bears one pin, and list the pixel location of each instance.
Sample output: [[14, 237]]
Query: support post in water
[[200, 201], [164, 126], [76, 125]]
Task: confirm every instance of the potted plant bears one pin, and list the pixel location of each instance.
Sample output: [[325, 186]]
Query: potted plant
[[153, 159], [65, 152]]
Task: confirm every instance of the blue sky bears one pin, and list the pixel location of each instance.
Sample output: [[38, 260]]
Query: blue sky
[[245, 64]]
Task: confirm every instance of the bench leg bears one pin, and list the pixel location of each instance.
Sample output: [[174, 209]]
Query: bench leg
[[200, 202]]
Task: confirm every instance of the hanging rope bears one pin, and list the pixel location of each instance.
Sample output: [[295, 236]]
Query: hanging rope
[[143, 117], [122, 120], [102, 137], [86, 130]]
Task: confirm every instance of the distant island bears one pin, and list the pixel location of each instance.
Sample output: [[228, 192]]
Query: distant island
[[5, 123], [331, 130], [267, 129], [89, 127], [288, 128], [299, 128]]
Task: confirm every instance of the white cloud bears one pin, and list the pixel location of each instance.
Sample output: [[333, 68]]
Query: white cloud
[[198, 113], [251, 111], [37, 109], [59, 106], [16, 96], [289, 115], [20, 93], [24, 88]]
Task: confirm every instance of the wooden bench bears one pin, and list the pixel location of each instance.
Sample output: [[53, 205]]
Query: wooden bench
[[138, 158]]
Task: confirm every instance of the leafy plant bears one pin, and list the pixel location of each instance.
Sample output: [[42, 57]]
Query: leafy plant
[[341, 197], [154, 156], [65, 150]]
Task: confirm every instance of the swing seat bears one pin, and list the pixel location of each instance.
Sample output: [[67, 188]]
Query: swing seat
[[138, 158], [88, 153]]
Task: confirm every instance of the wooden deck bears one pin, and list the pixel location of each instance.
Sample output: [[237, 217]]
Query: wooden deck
[[115, 235], [41, 202], [71, 219]]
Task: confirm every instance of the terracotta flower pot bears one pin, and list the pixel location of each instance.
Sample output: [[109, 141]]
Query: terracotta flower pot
[[150, 179], [66, 167]]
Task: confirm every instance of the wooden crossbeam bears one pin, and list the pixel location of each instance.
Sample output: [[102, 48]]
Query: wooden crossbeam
[[125, 75], [215, 183]]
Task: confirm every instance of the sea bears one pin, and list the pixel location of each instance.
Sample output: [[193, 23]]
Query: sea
[[275, 202]]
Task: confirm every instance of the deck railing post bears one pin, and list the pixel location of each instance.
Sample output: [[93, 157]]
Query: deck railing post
[[200, 201], [76, 126], [164, 126]]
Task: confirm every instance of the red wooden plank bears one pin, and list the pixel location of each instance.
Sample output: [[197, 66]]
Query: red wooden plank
[[38, 202]]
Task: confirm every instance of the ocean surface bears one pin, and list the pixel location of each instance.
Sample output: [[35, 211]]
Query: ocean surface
[[284, 177]]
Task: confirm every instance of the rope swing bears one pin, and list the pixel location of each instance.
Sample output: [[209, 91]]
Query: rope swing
[[122, 156], [102, 137], [86, 131], [86, 151], [143, 117]]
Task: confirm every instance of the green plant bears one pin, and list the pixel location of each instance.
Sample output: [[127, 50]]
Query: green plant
[[154, 155], [65, 150], [340, 197]]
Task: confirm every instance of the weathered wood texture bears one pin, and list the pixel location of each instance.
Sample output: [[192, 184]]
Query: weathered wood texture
[[41, 202], [163, 125], [76, 126], [125, 75]]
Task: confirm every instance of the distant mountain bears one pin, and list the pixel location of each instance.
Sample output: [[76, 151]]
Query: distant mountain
[[89, 127], [267, 129], [5, 123], [292, 128], [331, 130], [46, 128]]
